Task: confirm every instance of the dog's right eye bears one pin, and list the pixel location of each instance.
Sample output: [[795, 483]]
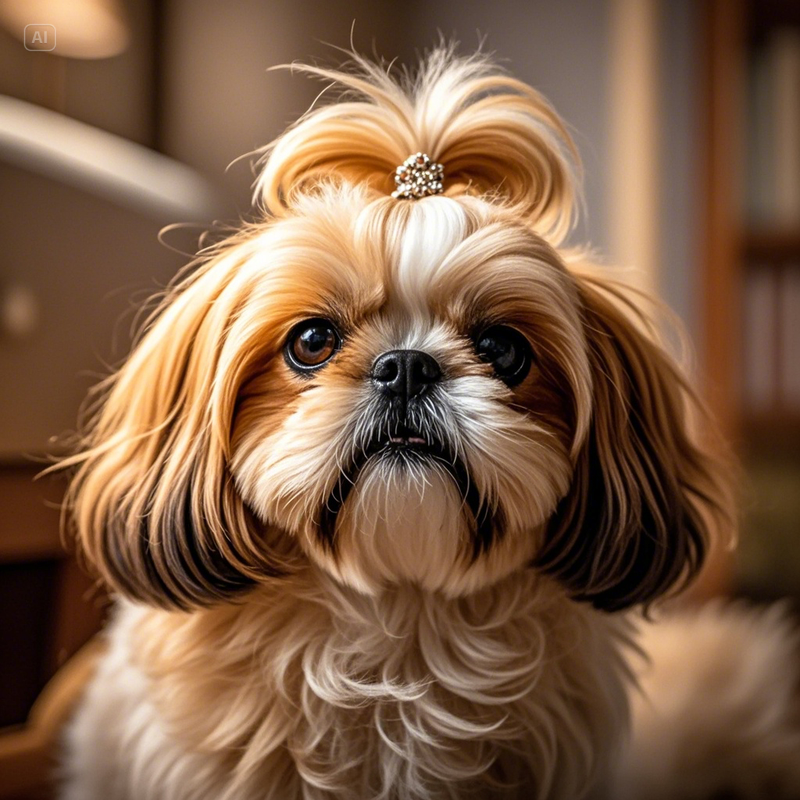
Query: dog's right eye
[[311, 344]]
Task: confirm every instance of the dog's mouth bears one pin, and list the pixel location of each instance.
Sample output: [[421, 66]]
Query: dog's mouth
[[405, 447]]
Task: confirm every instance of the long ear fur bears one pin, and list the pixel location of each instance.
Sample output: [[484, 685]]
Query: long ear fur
[[646, 496], [153, 505], [497, 138]]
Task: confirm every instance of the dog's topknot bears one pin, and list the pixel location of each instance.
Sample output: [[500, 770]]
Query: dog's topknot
[[496, 137]]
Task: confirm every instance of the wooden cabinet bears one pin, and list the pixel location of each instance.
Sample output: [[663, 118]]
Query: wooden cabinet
[[49, 606], [750, 341]]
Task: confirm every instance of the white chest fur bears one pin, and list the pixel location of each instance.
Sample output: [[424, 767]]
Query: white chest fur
[[310, 690]]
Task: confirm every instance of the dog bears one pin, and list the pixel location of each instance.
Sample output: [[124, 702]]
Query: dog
[[385, 473], [717, 709]]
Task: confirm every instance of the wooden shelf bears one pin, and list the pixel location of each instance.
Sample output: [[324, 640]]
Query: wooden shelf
[[773, 429], [29, 514], [772, 245], [764, 15], [734, 247]]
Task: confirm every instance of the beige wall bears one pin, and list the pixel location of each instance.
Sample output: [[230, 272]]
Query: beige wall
[[220, 100], [85, 262]]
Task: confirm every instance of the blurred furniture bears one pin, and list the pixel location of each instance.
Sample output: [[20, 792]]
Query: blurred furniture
[[28, 753], [48, 605], [750, 343], [82, 211]]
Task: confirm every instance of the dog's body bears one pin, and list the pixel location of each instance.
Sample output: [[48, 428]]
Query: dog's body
[[318, 691], [717, 711], [381, 474]]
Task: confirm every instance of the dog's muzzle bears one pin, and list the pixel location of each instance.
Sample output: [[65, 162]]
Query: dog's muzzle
[[403, 434]]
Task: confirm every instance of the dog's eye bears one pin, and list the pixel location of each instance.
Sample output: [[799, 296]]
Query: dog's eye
[[311, 343], [507, 350]]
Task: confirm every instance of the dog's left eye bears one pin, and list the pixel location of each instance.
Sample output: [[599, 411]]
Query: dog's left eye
[[311, 344], [507, 350]]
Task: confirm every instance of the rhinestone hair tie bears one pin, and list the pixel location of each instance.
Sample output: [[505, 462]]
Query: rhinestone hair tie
[[418, 176]]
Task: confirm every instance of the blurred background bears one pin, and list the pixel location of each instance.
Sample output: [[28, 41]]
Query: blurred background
[[118, 118]]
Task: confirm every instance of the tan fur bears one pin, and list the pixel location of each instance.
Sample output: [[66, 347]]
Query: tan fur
[[718, 713], [396, 659], [313, 690]]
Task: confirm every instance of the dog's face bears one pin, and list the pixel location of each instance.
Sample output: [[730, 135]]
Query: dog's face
[[397, 391], [420, 381]]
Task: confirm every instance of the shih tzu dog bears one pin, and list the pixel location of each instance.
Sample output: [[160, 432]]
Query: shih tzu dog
[[382, 472]]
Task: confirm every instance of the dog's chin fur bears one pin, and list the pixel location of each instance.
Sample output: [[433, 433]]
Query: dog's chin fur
[[315, 690], [315, 606], [403, 524]]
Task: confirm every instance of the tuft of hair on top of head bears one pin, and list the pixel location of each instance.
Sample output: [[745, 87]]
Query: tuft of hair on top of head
[[496, 136]]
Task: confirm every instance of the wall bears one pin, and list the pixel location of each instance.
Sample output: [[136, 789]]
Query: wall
[[221, 102], [680, 197]]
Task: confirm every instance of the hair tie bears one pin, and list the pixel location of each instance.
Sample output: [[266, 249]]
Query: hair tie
[[418, 176]]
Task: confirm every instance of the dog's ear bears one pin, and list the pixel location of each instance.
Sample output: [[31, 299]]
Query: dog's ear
[[646, 496], [154, 507]]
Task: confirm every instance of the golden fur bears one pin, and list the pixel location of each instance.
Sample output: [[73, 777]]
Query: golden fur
[[718, 711], [314, 690], [411, 652]]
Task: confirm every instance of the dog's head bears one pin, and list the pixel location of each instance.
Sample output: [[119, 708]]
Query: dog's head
[[421, 390]]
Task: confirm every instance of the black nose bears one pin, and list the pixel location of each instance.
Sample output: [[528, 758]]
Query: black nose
[[405, 373]]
